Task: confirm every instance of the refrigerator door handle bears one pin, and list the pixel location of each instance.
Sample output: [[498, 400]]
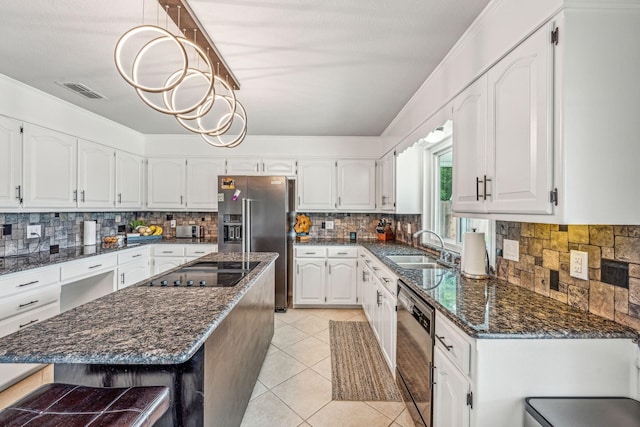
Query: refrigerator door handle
[[244, 225], [248, 223]]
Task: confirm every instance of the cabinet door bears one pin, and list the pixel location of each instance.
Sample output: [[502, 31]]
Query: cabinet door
[[387, 182], [162, 264], [133, 272], [316, 185], [129, 180], [310, 280], [449, 393], [341, 281], [202, 183], [243, 166], [10, 163], [376, 304], [470, 148], [356, 185], [408, 181], [286, 167], [96, 175], [388, 323], [519, 131], [166, 179], [50, 165]]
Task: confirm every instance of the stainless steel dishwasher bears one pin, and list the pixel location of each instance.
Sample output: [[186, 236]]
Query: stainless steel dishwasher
[[414, 354]]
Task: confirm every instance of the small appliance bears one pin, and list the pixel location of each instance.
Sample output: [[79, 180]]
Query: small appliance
[[188, 231]]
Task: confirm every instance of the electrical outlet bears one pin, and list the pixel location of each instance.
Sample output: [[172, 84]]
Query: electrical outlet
[[118, 218], [511, 250], [173, 223], [33, 231], [329, 225], [579, 266]]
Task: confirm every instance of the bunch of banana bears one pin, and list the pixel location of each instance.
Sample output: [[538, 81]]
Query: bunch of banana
[[156, 230]]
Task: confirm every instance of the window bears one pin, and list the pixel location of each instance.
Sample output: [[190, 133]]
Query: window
[[437, 211]]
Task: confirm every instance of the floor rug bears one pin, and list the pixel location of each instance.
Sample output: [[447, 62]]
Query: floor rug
[[358, 368]]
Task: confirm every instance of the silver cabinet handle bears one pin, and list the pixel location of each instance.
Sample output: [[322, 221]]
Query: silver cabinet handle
[[262, 167], [28, 323], [298, 200], [339, 200], [95, 266], [309, 253], [19, 193], [136, 256], [298, 269], [167, 252], [75, 195], [441, 339], [378, 298], [28, 303], [28, 283], [119, 197], [329, 268], [82, 196], [122, 278], [181, 199], [199, 252], [257, 166], [477, 189], [343, 253]]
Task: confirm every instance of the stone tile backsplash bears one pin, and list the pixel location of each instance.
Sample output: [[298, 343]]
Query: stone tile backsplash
[[65, 228], [364, 224], [613, 287]]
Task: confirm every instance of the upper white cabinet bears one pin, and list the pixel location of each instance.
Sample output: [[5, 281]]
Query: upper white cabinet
[[502, 134], [386, 168], [129, 180], [356, 185], [50, 165], [408, 181], [257, 166], [316, 185], [10, 163], [166, 183], [96, 175], [202, 182]]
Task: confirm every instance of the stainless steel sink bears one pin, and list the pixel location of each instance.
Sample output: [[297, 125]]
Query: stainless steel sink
[[418, 262]]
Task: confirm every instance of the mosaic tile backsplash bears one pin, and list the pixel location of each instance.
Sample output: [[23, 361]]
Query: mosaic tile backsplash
[[613, 288], [65, 228], [363, 224]]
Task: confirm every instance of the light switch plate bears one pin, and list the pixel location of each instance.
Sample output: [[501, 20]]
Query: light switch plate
[[511, 250], [579, 266], [329, 225], [33, 231], [173, 223]]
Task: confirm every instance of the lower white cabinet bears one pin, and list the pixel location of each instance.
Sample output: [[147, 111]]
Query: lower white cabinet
[[168, 256], [325, 275], [449, 393], [162, 264], [133, 272]]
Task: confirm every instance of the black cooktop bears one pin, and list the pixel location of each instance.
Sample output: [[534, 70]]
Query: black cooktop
[[206, 274]]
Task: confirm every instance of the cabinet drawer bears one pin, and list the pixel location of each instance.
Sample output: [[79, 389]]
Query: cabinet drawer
[[131, 255], [310, 252], [168, 250], [200, 250], [27, 301], [88, 266], [453, 344], [342, 252], [17, 282], [31, 317]]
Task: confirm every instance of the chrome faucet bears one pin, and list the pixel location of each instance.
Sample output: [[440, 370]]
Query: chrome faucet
[[443, 252]]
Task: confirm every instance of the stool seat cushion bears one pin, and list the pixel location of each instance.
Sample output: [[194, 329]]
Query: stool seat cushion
[[78, 406]]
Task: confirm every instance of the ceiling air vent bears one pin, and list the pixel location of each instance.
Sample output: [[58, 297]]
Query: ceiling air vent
[[82, 90]]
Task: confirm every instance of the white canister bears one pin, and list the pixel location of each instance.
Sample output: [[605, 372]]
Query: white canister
[[473, 263], [89, 236]]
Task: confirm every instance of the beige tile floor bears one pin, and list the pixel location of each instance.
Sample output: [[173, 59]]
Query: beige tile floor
[[294, 385]]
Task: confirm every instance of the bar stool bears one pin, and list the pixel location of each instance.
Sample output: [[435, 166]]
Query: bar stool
[[72, 405]]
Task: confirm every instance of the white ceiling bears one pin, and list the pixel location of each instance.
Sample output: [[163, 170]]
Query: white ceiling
[[323, 67]]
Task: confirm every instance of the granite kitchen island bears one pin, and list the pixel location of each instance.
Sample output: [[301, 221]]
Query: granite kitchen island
[[207, 344]]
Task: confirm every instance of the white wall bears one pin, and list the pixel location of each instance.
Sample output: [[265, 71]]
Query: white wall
[[267, 146], [31, 105], [497, 30]]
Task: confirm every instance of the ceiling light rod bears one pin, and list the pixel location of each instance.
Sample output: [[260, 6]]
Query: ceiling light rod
[[188, 21]]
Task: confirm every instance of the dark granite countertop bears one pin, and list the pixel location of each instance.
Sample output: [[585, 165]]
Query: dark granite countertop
[[17, 263], [135, 325], [490, 308]]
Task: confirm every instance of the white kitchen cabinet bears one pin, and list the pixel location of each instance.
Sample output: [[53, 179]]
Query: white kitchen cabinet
[[133, 272], [162, 264], [502, 134], [316, 185], [450, 392], [470, 147], [50, 169], [278, 167], [310, 281], [408, 181], [166, 183], [96, 175], [356, 185], [192, 252], [202, 183], [244, 166], [388, 326], [10, 163], [129, 180], [386, 185], [341, 281]]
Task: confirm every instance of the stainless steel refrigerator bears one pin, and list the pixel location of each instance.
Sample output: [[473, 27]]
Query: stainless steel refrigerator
[[252, 217]]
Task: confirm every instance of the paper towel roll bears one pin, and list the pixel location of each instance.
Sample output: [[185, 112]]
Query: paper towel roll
[[89, 233], [473, 262]]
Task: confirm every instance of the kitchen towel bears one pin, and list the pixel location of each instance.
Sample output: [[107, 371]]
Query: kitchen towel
[[473, 262], [89, 233]]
